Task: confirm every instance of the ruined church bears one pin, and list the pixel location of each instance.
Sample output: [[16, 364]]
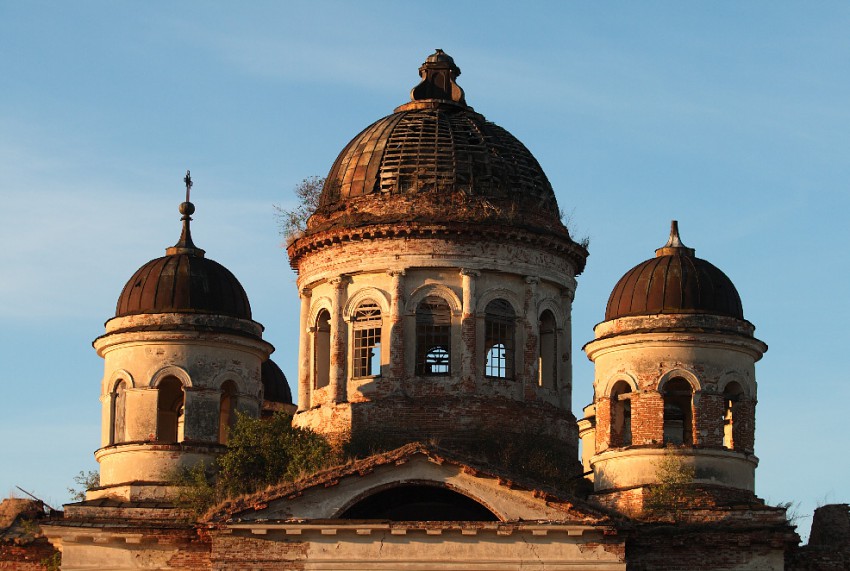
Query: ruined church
[[436, 282]]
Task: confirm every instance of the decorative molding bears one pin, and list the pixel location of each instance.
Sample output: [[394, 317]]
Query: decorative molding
[[171, 371]]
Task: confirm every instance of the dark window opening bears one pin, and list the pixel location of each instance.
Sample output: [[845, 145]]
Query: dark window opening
[[169, 420], [621, 415], [322, 350], [119, 410], [731, 399], [227, 410], [419, 503], [547, 364], [678, 398]]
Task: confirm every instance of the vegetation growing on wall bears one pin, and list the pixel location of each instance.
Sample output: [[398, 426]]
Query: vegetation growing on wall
[[672, 490], [84, 481], [259, 453], [292, 222]]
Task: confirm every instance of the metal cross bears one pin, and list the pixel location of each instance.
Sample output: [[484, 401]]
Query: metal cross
[[188, 180]]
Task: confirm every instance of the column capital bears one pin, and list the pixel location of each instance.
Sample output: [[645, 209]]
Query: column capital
[[396, 273], [532, 280], [469, 272], [340, 281], [306, 292]]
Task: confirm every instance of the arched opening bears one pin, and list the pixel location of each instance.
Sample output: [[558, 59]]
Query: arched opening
[[366, 350], [227, 410], [678, 412], [732, 394], [433, 336], [621, 414], [547, 364], [419, 502], [322, 350], [499, 323], [119, 412], [169, 419]]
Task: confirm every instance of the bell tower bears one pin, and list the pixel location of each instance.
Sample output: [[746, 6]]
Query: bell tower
[[674, 381], [181, 356]]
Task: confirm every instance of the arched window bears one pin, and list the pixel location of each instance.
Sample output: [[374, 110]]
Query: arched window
[[621, 414], [227, 410], [678, 416], [119, 411], [499, 320], [547, 366], [433, 336], [169, 419], [731, 397], [366, 361], [322, 350]]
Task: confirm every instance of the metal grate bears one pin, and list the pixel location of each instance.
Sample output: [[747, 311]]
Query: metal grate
[[433, 337], [367, 340], [499, 319]]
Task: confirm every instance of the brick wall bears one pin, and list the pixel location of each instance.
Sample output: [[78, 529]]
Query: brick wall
[[27, 556]]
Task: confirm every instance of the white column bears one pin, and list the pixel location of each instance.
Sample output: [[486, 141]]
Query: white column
[[396, 330], [531, 330], [339, 341], [470, 359], [304, 349]]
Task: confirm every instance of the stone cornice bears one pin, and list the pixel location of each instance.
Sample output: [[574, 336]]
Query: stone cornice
[[551, 242]]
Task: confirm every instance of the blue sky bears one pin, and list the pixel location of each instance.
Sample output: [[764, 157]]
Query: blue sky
[[732, 117]]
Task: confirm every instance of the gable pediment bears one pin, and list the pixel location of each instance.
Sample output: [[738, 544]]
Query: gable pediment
[[331, 494]]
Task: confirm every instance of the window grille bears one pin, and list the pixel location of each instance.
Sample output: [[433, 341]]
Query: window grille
[[433, 337], [367, 340], [499, 322]]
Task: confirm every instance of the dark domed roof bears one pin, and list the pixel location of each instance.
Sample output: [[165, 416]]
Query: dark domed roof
[[436, 160], [275, 386], [674, 281], [184, 281]]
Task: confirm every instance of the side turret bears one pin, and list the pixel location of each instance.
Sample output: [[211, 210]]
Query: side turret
[[674, 376], [181, 356]]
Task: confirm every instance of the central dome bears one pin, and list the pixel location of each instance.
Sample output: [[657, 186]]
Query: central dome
[[436, 161]]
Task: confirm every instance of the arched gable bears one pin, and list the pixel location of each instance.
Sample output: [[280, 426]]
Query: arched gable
[[608, 385], [734, 377], [171, 371], [498, 293], [438, 290], [679, 374], [555, 307], [316, 307], [117, 376], [362, 295]]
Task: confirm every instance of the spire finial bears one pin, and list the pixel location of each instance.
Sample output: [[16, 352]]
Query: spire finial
[[674, 245], [438, 85], [185, 245]]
